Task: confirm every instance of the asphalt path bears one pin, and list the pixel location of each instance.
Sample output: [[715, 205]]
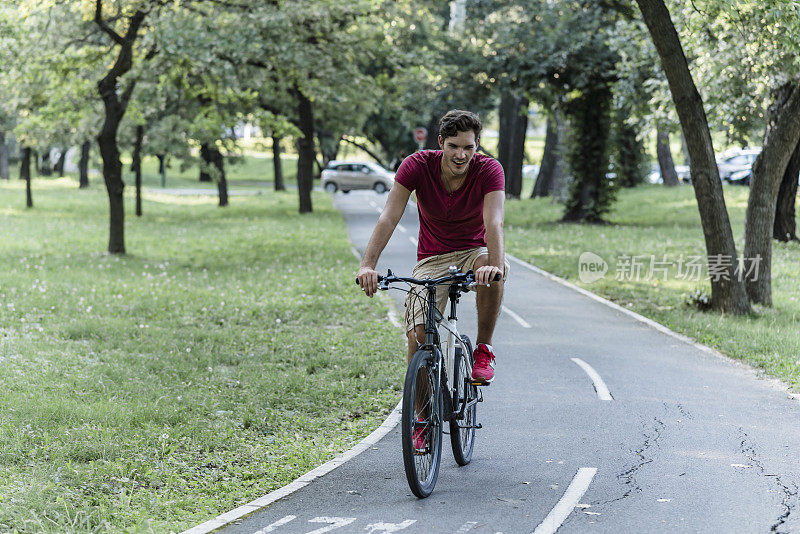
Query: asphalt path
[[596, 422]]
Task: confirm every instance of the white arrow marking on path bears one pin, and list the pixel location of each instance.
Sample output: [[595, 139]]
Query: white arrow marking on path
[[413, 241], [466, 527], [377, 528], [564, 507], [378, 209], [336, 522], [401, 228], [599, 385], [276, 524], [516, 317]]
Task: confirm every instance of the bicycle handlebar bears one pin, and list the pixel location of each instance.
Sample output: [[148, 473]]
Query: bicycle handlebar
[[459, 277]]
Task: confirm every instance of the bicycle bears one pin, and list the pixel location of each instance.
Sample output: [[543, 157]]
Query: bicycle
[[427, 404]]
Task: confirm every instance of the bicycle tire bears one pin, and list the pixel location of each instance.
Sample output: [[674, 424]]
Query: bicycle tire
[[462, 440], [422, 468]]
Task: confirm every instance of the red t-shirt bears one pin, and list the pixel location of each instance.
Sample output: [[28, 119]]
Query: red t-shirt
[[449, 222]]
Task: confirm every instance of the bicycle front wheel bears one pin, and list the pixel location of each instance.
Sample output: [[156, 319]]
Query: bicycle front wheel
[[422, 424], [465, 397]]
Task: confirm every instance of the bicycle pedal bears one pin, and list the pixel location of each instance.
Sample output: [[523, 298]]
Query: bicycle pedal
[[481, 384]]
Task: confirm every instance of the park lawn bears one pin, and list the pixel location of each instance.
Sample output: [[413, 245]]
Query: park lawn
[[225, 355], [654, 220], [251, 169]]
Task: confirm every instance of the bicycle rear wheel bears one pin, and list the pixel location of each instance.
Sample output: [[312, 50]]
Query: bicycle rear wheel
[[422, 424], [462, 431]]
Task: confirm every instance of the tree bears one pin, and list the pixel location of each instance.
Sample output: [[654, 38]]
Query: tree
[[664, 155], [276, 163], [749, 51], [511, 145], [552, 168], [727, 290], [785, 228], [115, 102]]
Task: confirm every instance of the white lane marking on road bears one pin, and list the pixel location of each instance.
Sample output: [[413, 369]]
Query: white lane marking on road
[[401, 228], [413, 241], [303, 481], [657, 326], [377, 528], [466, 527], [372, 203], [279, 523], [516, 317], [336, 522], [564, 507], [599, 385], [378, 209]]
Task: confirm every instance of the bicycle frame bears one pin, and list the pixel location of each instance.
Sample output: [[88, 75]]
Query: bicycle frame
[[434, 322]]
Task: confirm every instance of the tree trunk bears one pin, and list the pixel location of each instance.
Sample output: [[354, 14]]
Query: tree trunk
[[137, 167], [3, 157], [83, 165], [62, 157], [205, 163], [28, 195], [25, 174], [727, 292], [276, 164], [505, 134], [25, 163], [630, 151], [547, 166], [590, 193], [665, 163], [218, 161], [685, 151], [785, 228], [305, 152], [36, 166], [329, 146], [516, 149], [115, 103], [780, 142], [46, 164], [561, 180], [432, 142]]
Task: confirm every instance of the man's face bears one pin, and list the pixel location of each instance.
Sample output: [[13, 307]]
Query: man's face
[[457, 151]]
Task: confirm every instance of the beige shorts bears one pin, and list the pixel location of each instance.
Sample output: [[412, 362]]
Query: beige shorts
[[434, 267]]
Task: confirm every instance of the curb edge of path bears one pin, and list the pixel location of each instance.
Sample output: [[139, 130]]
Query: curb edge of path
[[304, 480], [774, 382]]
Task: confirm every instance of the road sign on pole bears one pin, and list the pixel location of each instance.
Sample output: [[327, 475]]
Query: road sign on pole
[[420, 135]]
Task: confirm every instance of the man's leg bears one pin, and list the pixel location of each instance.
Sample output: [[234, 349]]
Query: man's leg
[[415, 341], [488, 300]]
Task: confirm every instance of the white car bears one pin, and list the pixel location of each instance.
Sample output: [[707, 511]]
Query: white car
[[733, 161], [348, 175]]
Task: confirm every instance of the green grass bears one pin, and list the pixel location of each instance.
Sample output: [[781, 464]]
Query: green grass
[[226, 354], [658, 221], [252, 169]]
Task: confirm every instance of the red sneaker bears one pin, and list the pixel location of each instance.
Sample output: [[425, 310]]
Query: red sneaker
[[483, 368], [420, 437]]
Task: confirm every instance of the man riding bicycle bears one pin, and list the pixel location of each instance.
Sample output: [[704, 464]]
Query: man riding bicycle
[[460, 196]]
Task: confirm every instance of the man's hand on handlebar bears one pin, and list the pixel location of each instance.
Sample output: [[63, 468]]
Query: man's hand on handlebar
[[368, 280], [487, 274]]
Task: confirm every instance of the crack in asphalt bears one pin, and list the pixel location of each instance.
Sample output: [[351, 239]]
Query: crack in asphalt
[[629, 475], [789, 491]]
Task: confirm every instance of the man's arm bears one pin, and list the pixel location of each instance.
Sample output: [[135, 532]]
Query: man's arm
[[392, 212], [493, 222]]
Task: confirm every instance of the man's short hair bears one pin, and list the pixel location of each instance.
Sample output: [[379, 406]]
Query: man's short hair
[[458, 120]]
